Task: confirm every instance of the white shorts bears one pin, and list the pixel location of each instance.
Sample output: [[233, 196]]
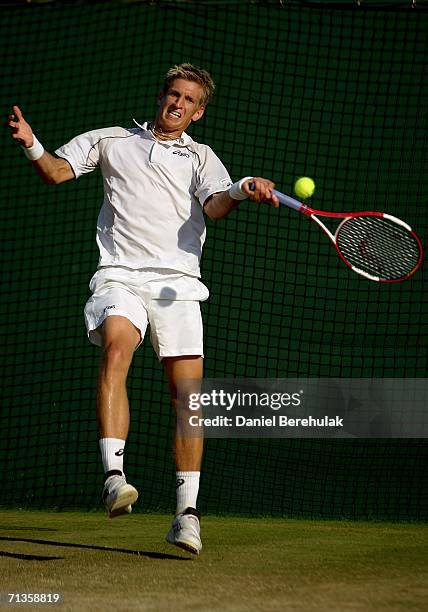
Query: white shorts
[[168, 301]]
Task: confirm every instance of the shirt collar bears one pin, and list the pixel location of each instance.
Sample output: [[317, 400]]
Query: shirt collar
[[184, 140]]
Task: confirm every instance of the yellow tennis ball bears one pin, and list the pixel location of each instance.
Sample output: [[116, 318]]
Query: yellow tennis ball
[[304, 187]]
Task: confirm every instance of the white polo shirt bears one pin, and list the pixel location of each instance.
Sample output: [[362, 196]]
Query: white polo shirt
[[152, 213]]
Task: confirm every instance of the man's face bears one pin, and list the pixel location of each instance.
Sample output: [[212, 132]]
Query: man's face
[[179, 106]]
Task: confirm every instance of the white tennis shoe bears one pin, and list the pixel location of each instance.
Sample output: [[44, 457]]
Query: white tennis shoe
[[118, 496], [185, 531]]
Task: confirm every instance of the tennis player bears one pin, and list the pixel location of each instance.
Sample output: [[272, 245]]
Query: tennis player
[[158, 183]]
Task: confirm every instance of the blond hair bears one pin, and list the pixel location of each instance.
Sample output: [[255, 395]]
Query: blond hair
[[191, 73]]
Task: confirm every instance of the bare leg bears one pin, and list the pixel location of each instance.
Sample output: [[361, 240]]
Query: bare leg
[[187, 450], [185, 528], [120, 338]]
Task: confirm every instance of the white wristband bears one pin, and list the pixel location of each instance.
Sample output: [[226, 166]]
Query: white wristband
[[236, 192], [35, 151]]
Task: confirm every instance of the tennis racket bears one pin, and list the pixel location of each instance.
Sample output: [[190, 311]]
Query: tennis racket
[[376, 245]]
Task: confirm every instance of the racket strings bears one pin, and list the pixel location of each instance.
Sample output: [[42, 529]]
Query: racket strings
[[378, 246]]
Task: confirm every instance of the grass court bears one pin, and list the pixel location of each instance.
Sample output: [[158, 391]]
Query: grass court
[[247, 564]]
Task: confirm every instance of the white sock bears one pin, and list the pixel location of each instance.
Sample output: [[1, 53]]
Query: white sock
[[187, 487], [112, 450]]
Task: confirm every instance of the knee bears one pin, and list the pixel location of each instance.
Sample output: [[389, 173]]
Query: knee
[[116, 356]]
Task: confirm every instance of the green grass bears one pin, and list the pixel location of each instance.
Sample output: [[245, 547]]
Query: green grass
[[246, 564]]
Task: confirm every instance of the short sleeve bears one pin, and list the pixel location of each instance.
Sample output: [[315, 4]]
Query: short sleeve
[[211, 176], [83, 151]]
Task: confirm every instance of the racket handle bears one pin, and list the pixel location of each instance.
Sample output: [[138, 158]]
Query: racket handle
[[284, 200]]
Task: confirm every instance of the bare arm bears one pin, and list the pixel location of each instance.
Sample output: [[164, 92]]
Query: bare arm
[[52, 170], [221, 204]]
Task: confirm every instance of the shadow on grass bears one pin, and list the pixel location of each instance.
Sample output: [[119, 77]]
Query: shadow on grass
[[126, 551], [9, 528], [23, 557]]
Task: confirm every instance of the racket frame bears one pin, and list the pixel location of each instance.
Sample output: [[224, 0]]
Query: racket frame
[[306, 210]]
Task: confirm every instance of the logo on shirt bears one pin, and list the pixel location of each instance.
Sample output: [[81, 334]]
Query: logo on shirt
[[110, 307], [181, 154]]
